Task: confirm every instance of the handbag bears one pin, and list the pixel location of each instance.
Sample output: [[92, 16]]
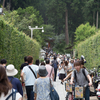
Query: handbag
[[53, 93]]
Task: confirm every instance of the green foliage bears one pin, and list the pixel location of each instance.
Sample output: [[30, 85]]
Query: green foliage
[[22, 18], [91, 51], [90, 9], [83, 32], [15, 45]]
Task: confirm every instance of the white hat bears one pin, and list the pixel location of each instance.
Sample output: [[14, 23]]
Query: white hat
[[82, 56], [10, 70]]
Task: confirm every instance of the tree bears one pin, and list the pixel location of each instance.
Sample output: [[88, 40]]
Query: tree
[[83, 32], [91, 8], [59, 43], [22, 18]]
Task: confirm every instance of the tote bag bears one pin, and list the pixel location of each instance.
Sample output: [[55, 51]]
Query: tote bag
[[53, 93]]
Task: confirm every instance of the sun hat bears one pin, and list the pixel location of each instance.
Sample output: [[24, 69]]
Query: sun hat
[[10, 70], [42, 71]]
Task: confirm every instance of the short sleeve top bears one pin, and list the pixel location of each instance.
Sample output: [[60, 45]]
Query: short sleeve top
[[81, 80], [28, 74], [42, 88]]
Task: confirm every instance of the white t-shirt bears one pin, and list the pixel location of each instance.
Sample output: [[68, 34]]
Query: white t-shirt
[[62, 71], [69, 65], [3, 97], [28, 74]]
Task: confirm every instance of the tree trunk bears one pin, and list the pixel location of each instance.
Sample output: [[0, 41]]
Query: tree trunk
[[9, 4], [3, 5], [97, 20], [93, 18], [66, 28]]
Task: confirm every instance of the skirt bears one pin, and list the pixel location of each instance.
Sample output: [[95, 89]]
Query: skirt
[[61, 76]]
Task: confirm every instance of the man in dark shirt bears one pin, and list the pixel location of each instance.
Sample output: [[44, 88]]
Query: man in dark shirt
[[54, 64], [22, 80], [25, 63], [22, 66]]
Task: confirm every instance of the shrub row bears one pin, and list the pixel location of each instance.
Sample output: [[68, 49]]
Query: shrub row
[[90, 48], [14, 45]]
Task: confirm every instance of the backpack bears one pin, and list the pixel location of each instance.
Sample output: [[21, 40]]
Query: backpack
[[13, 94], [83, 71], [55, 64]]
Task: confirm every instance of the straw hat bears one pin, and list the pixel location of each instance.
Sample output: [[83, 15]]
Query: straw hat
[[10, 70]]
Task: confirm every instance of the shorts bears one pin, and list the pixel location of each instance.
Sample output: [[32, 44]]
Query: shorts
[[61, 76]]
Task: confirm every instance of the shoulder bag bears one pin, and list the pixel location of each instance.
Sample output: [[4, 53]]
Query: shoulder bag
[[53, 93]]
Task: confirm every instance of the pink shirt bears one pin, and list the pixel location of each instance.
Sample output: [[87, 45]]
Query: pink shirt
[[49, 68]]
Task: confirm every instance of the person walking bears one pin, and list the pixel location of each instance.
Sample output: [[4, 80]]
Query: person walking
[[22, 78], [11, 72], [42, 85], [37, 62], [29, 77], [6, 91], [3, 62], [24, 64], [62, 72], [49, 69], [55, 66]]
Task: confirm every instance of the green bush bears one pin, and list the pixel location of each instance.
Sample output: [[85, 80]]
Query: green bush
[[14, 45], [90, 48], [83, 32]]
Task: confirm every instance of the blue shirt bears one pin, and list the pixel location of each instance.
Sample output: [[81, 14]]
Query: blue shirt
[[28, 74], [16, 84]]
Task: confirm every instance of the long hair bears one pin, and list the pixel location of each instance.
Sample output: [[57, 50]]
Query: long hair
[[5, 84], [66, 63]]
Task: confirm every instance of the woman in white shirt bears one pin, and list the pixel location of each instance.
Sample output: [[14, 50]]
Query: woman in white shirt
[[68, 67], [6, 87], [62, 72]]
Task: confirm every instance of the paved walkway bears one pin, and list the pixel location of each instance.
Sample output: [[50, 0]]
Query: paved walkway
[[61, 90]]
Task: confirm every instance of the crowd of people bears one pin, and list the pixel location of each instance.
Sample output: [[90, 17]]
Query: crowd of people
[[35, 78]]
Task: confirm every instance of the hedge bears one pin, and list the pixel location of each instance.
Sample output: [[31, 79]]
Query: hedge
[[15, 45], [90, 48]]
